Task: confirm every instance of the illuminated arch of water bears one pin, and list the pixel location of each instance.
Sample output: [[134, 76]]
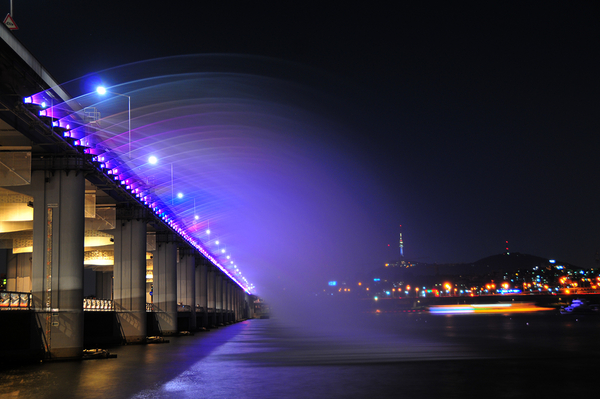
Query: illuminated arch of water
[[231, 139]]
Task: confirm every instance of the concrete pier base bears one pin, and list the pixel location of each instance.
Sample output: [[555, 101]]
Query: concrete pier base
[[165, 287], [130, 279], [57, 261]]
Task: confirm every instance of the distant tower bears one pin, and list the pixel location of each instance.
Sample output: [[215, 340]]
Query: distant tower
[[401, 246], [507, 251]]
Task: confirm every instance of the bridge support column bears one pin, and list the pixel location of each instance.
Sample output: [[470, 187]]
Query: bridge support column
[[225, 300], [18, 273], [248, 306], [201, 291], [186, 278], [104, 285], [130, 278], [241, 313], [165, 286], [229, 301], [233, 291], [236, 303], [57, 268], [240, 306], [212, 296], [225, 286], [219, 298]]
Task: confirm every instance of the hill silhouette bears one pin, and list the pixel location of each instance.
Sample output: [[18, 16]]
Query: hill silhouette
[[491, 265]]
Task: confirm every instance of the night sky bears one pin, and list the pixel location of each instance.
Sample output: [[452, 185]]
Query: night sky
[[468, 125]]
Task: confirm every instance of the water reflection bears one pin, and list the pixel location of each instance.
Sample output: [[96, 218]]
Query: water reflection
[[385, 355]]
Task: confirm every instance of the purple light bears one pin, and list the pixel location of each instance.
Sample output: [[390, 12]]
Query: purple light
[[89, 135]]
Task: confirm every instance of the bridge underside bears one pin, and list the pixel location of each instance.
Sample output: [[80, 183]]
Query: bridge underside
[[69, 233]]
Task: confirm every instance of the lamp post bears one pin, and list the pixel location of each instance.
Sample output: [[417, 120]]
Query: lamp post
[[102, 91], [153, 160]]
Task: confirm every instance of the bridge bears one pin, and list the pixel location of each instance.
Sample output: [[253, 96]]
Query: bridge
[[73, 212]]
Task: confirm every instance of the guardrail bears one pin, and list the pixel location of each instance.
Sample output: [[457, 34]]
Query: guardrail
[[180, 308], [15, 300], [23, 301], [99, 305]]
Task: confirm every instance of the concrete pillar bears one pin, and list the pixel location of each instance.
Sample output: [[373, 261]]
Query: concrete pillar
[[165, 286], [233, 291], [104, 285], [234, 288], [197, 283], [180, 275], [201, 291], [186, 278], [240, 305], [57, 270], [248, 306], [130, 278], [228, 301], [232, 300], [18, 272], [219, 297], [236, 316], [212, 296], [225, 299]]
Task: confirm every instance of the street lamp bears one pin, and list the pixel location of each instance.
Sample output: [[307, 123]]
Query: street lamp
[[102, 91], [153, 161]]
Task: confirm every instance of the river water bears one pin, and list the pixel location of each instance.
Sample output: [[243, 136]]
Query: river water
[[389, 355]]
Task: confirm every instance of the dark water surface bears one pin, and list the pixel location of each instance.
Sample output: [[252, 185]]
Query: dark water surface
[[379, 356]]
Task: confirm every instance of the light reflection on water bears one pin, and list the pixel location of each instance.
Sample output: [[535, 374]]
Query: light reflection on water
[[385, 355]]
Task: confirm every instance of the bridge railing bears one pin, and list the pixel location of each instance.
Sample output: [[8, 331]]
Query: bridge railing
[[102, 305], [184, 308], [15, 300]]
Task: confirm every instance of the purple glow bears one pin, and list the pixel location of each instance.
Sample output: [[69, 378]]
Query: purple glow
[[253, 156]]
